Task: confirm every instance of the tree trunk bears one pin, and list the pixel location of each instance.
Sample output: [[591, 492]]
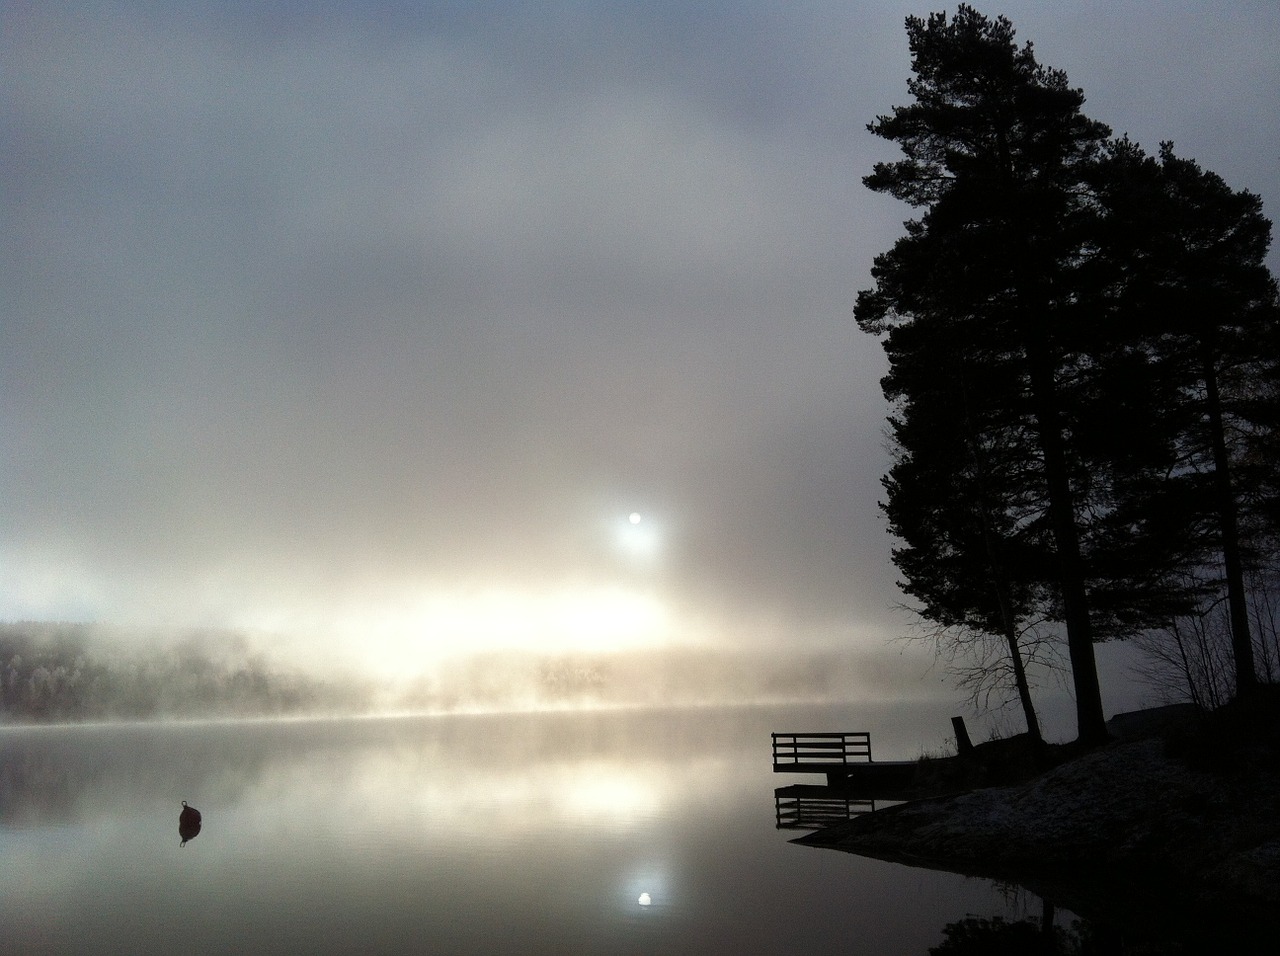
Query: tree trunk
[[1241, 639], [1010, 629], [1091, 725], [1024, 689], [1008, 622]]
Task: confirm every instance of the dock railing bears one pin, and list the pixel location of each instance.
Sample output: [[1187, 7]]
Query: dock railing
[[820, 751]]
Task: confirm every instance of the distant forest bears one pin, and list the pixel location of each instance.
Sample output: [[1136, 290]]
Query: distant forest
[[64, 672]]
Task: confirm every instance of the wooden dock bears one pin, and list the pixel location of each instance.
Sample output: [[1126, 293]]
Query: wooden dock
[[845, 759]]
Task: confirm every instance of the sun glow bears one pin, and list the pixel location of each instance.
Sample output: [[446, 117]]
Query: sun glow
[[400, 629], [639, 538], [423, 630]]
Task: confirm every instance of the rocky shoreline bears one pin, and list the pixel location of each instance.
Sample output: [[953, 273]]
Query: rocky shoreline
[[1184, 822]]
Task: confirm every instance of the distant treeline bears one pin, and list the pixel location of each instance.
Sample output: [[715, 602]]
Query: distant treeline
[[660, 677], [66, 672], [53, 672]]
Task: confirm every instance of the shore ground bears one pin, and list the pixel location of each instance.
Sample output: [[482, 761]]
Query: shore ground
[[1180, 823]]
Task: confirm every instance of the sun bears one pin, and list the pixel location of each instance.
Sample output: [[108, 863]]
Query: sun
[[416, 631]]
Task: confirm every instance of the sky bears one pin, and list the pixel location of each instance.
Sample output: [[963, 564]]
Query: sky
[[409, 328]]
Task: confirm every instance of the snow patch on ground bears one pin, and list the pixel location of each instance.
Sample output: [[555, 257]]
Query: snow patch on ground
[[1126, 808]]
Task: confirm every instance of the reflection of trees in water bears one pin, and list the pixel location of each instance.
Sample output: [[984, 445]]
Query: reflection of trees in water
[[60, 775], [978, 936], [64, 775], [1154, 924]]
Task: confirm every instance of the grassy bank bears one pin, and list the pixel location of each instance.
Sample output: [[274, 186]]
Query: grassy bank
[[1180, 824]]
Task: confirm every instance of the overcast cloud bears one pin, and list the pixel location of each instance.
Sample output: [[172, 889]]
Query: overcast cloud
[[382, 318]]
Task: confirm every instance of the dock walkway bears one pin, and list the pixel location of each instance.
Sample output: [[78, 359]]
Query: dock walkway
[[845, 759]]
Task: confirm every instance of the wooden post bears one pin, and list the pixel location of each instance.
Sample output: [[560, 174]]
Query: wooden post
[[963, 744]]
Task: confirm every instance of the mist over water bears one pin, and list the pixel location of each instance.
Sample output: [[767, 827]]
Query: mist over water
[[68, 672], [462, 834]]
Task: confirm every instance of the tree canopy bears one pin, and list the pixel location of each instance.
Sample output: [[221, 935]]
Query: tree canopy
[[1082, 354]]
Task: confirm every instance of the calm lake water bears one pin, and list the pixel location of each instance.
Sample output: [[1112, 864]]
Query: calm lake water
[[521, 834]]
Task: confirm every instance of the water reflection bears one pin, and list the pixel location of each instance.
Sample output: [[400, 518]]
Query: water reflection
[[811, 807], [1132, 911], [980, 936], [462, 835], [1192, 934]]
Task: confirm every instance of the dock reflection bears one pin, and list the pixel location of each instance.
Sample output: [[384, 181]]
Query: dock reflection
[[811, 807]]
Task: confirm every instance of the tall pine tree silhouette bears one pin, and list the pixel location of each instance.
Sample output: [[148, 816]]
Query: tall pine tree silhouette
[[978, 303]]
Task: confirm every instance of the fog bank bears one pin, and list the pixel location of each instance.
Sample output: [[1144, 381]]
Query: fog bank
[[70, 672]]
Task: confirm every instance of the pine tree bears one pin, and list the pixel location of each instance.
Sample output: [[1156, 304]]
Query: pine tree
[[1196, 286], [978, 306]]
